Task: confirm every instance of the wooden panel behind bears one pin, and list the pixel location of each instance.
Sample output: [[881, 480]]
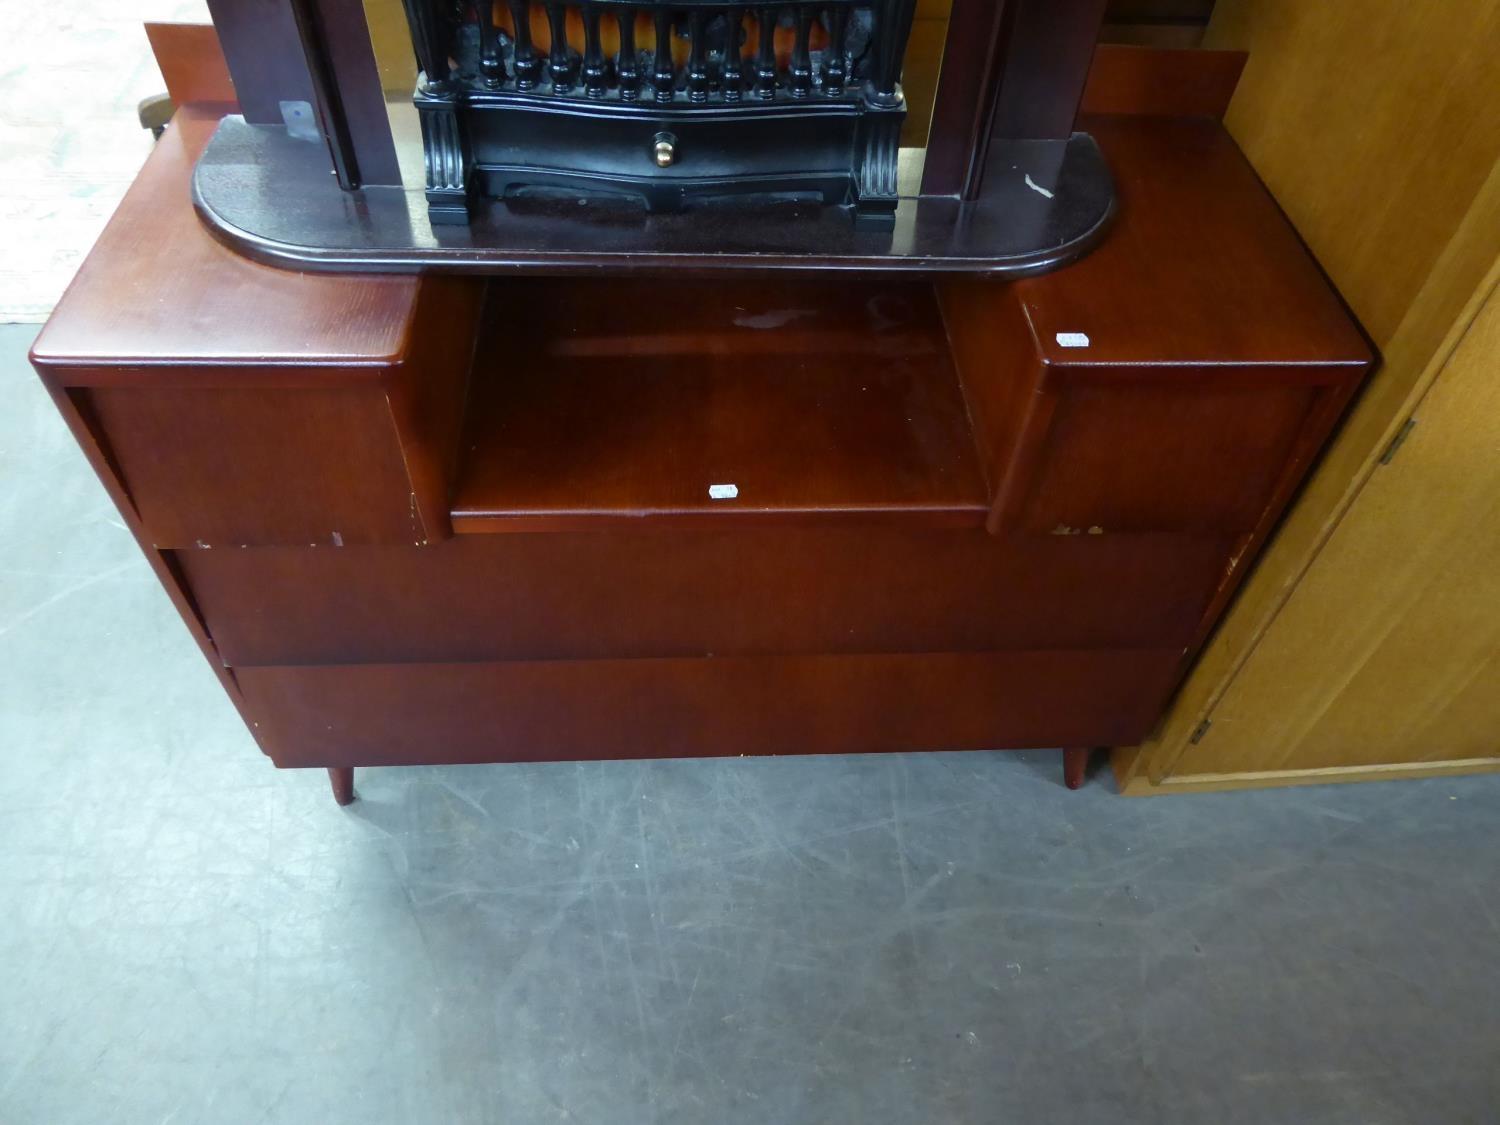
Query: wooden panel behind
[[390, 714], [191, 63], [694, 592], [1374, 124]]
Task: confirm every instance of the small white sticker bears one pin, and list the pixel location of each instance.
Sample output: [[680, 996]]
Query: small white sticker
[[723, 491], [1072, 340]]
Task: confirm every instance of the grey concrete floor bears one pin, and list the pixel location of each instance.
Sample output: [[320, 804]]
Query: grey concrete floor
[[187, 935]]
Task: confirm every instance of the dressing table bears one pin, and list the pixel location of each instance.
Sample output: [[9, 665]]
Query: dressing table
[[677, 407]]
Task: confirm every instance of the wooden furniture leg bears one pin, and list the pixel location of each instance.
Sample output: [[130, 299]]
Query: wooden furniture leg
[[1075, 765], [342, 778]]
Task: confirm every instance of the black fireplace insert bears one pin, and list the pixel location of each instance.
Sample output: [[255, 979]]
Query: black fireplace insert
[[661, 106]]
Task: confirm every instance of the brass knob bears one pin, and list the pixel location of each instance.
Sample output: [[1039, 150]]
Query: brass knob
[[665, 152]]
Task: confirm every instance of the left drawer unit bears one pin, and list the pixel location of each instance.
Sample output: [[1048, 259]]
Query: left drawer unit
[[231, 405]]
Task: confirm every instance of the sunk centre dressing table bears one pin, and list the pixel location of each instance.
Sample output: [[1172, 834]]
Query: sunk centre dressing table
[[587, 447]]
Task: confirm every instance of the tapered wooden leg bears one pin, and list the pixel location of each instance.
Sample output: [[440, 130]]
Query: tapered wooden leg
[[1075, 765], [342, 778]]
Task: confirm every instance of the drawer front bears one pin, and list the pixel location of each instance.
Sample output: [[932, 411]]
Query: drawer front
[[1160, 454], [407, 714], [221, 467], [578, 595], [779, 147]]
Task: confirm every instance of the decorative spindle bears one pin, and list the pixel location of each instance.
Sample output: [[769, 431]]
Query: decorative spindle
[[559, 66], [835, 60], [892, 28], [628, 68], [491, 69], [593, 54], [697, 72], [429, 23], [527, 66], [765, 55], [732, 80], [663, 77], [800, 72]]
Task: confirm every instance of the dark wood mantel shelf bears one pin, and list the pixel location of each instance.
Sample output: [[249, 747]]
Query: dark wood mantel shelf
[[1045, 203]]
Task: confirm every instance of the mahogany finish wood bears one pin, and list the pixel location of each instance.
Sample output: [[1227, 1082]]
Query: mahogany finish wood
[[1202, 271], [729, 590], [369, 435], [1198, 384], [342, 779], [157, 300], [809, 401], [192, 64], [1075, 767], [398, 714], [339, 447], [953, 532]]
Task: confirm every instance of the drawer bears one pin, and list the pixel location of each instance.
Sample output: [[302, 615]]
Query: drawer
[[1135, 453], [270, 453], [692, 592], [520, 140], [407, 714], [1075, 441]]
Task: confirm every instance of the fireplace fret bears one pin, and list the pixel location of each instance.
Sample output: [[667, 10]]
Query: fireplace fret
[[696, 52]]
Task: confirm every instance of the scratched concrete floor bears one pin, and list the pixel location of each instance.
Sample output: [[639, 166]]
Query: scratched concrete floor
[[187, 935]]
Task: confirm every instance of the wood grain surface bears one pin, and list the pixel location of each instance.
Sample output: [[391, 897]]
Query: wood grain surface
[[1374, 127], [376, 714], [191, 63], [806, 400], [157, 291], [699, 592]]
